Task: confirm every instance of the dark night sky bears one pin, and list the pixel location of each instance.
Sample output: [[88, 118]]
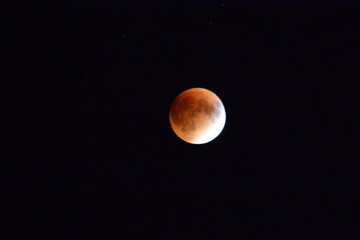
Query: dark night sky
[[89, 151]]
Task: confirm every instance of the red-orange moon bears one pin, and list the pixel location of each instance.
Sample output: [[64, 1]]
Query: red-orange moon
[[197, 116]]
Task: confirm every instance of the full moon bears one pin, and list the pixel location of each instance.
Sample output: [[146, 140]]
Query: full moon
[[197, 116]]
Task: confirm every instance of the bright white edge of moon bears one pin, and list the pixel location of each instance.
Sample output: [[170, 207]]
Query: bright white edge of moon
[[212, 131]]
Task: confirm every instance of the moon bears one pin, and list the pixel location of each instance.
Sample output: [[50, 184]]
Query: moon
[[197, 116]]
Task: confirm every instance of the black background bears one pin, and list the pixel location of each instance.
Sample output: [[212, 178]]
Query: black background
[[89, 151]]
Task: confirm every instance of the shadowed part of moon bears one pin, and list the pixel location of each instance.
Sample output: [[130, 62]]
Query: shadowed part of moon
[[190, 106], [194, 111]]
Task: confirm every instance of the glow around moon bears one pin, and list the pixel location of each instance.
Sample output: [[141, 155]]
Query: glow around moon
[[197, 116]]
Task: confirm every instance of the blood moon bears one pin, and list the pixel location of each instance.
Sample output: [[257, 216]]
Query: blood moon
[[197, 116]]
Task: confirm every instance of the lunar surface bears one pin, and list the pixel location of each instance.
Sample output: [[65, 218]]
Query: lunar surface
[[197, 116]]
